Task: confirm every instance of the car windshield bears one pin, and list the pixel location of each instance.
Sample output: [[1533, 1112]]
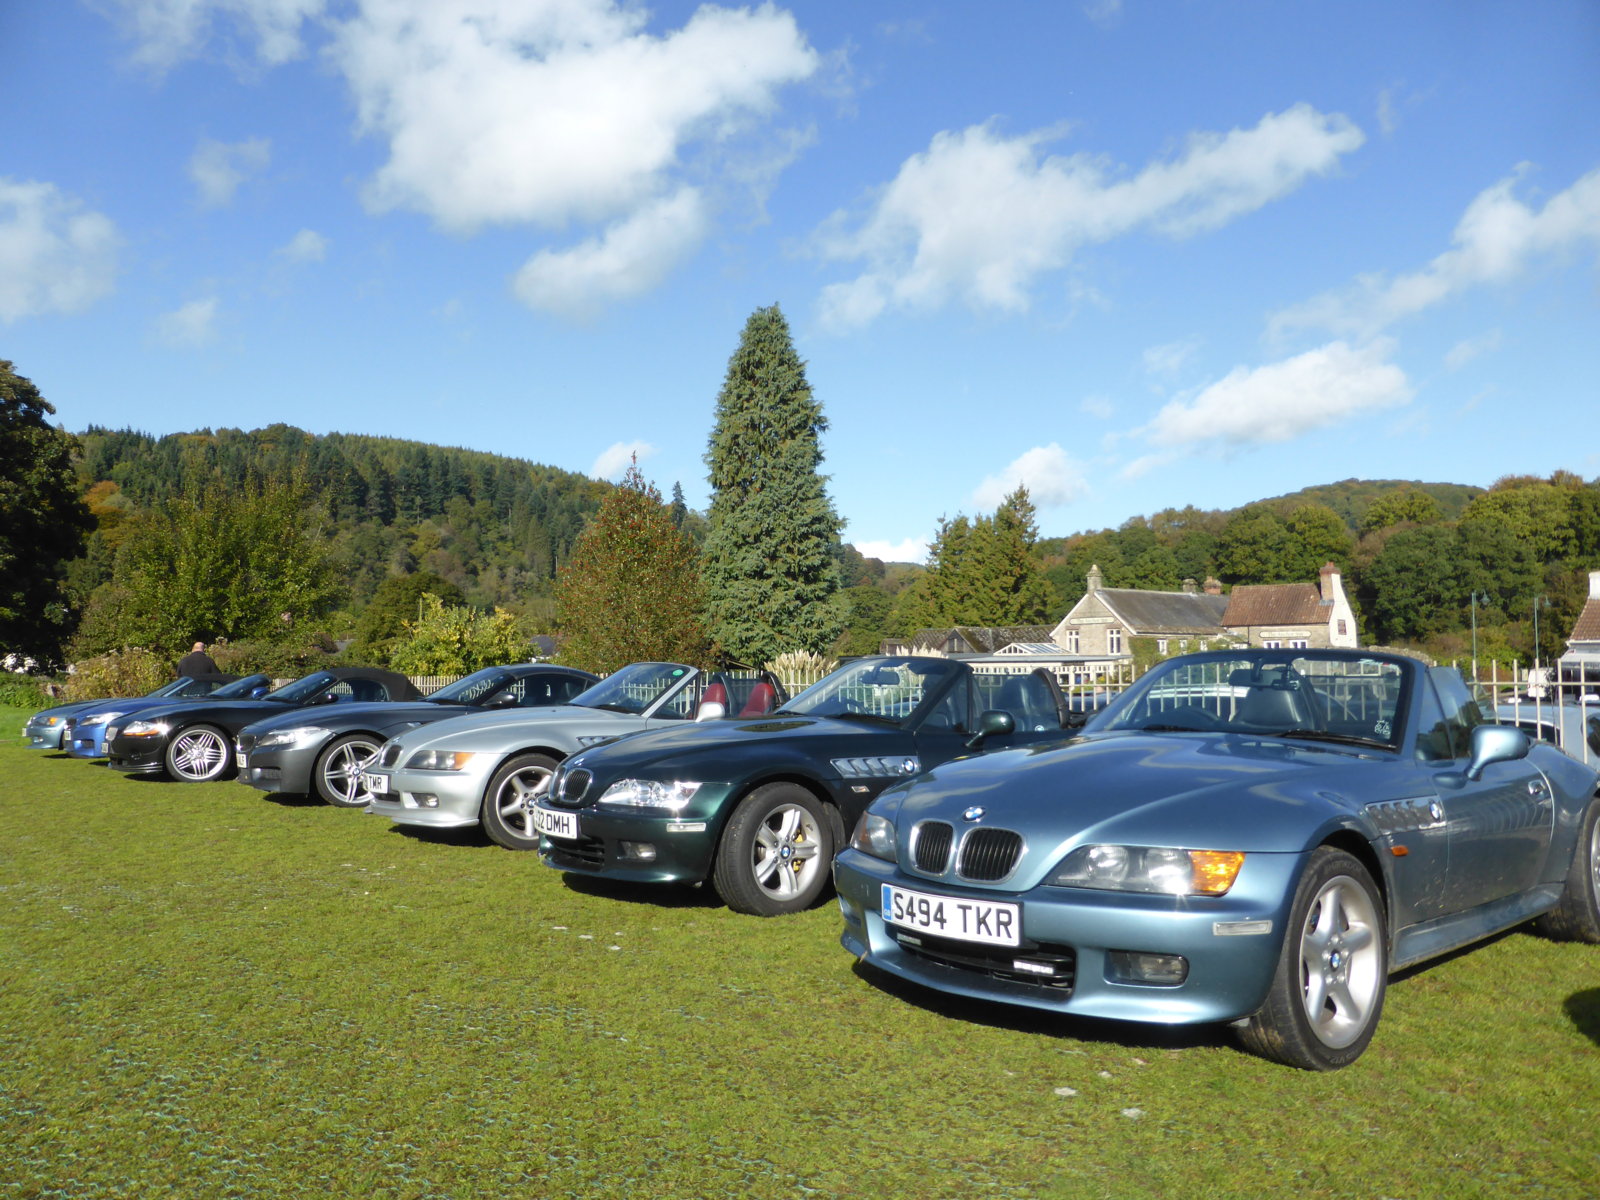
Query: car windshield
[[239, 687], [170, 689], [474, 689], [634, 688], [302, 689], [880, 689], [1347, 699]]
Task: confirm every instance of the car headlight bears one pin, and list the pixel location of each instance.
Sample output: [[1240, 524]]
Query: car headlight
[[648, 793], [439, 760], [1149, 869], [99, 718], [874, 835], [51, 721], [298, 736], [146, 729]]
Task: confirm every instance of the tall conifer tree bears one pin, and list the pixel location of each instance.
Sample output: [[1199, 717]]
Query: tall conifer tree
[[771, 558]]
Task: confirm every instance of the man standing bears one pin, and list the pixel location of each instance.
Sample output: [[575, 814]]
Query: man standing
[[197, 663]]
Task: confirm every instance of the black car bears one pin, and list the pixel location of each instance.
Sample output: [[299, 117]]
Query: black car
[[323, 751], [759, 807], [192, 742]]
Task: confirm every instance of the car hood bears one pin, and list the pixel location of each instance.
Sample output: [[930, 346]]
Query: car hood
[[355, 716], [235, 713], [727, 746], [138, 704], [500, 729], [1196, 791], [66, 710]]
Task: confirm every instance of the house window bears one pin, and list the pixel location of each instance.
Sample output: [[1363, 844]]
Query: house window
[[1114, 641], [1271, 644], [1299, 644], [1161, 645], [1183, 645], [1341, 626], [1072, 641]]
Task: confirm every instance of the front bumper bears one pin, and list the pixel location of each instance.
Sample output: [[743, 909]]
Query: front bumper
[[277, 769], [1231, 943], [431, 799], [88, 741], [642, 846], [45, 737], [140, 759]]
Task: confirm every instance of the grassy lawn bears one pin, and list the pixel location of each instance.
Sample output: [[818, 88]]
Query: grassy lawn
[[204, 992]]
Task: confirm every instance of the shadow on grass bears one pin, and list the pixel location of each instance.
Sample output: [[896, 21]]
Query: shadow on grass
[[1405, 974], [1583, 1009], [661, 895], [1130, 1035], [470, 836], [291, 800]]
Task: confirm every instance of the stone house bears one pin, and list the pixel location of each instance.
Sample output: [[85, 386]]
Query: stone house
[[1106, 620], [1292, 615], [965, 639], [1581, 662]]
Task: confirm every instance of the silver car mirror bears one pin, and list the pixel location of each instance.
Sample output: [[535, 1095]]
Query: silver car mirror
[[1495, 743]]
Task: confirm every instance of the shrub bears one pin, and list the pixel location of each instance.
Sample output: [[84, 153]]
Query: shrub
[[131, 671], [22, 691], [281, 660]]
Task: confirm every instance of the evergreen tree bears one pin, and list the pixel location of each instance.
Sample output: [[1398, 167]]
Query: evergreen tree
[[43, 521], [985, 571], [772, 552], [397, 600], [631, 590]]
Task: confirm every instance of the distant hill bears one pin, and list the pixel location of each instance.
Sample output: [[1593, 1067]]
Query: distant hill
[[1351, 498]]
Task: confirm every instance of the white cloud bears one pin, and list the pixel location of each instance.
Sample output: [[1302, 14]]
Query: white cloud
[[218, 168], [1465, 351], [1495, 240], [630, 258], [1052, 476], [1100, 407], [55, 255], [1170, 358], [618, 457], [506, 111], [979, 216], [306, 246], [1281, 401], [911, 550], [189, 326], [168, 31]]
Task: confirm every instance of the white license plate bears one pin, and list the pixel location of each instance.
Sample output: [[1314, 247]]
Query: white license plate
[[994, 924], [556, 824], [374, 781], [244, 759]]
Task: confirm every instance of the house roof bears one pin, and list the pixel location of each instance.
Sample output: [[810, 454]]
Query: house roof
[[1165, 612], [1276, 604], [1587, 627], [982, 638]]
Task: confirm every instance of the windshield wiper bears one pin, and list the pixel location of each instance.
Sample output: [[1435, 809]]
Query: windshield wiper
[[852, 715], [613, 707], [1341, 739]]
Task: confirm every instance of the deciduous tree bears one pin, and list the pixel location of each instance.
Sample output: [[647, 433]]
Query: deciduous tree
[[632, 589], [43, 521]]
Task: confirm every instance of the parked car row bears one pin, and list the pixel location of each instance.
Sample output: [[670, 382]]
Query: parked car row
[[1254, 838]]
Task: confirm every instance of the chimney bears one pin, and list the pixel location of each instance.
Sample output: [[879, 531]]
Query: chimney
[[1213, 586], [1095, 578], [1190, 587], [1329, 578], [1594, 585]]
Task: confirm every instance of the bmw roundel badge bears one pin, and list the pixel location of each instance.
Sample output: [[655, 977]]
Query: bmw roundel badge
[[972, 814]]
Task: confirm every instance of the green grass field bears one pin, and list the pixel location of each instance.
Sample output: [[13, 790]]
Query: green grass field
[[206, 992]]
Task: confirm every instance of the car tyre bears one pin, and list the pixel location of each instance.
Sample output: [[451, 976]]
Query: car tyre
[[199, 754], [509, 799], [776, 852], [1577, 917], [1328, 990], [337, 775]]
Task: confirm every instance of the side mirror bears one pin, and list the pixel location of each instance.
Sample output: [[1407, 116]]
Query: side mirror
[[257, 692], [503, 700], [1495, 743], [710, 710], [993, 722]]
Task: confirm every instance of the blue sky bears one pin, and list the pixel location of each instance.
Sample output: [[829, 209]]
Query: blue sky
[[1134, 254]]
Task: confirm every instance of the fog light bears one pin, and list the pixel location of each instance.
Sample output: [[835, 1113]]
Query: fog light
[[642, 851], [425, 799], [1161, 970]]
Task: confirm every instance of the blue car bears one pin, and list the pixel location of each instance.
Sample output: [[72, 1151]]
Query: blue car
[[87, 737], [1254, 837], [50, 728]]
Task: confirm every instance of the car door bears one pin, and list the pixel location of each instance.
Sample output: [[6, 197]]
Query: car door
[[1497, 827]]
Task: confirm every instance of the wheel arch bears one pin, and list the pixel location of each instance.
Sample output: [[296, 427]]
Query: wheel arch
[[1359, 848], [830, 806]]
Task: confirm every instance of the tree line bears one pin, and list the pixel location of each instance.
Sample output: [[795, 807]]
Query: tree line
[[286, 544]]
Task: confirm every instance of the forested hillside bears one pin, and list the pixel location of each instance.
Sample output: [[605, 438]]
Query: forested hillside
[[498, 528]]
